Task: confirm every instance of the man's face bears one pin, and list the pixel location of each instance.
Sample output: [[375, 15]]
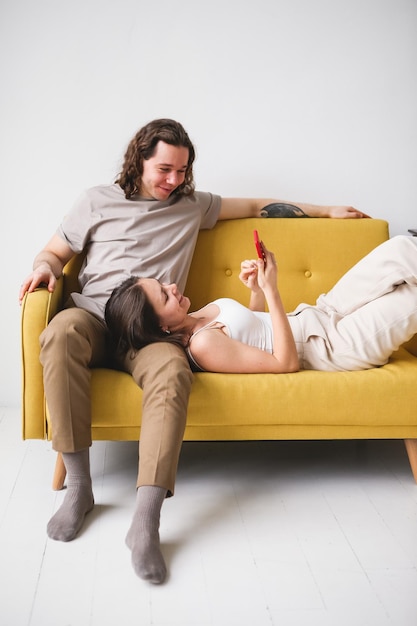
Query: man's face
[[164, 171]]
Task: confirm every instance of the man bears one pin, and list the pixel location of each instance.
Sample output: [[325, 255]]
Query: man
[[146, 223]]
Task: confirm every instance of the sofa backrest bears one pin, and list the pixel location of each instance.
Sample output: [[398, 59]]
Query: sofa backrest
[[311, 254]]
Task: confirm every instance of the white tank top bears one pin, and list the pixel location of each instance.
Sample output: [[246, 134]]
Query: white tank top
[[253, 328]]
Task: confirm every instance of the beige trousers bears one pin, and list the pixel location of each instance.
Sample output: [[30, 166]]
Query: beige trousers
[[75, 342], [367, 315]]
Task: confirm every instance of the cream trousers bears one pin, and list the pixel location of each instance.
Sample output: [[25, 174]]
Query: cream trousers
[[366, 316]]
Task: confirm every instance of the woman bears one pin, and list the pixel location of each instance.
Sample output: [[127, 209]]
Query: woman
[[357, 325]]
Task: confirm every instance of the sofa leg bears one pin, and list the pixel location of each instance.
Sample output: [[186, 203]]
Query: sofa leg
[[59, 473], [411, 447]]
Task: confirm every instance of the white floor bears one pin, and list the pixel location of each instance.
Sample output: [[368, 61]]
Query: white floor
[[258, 534]]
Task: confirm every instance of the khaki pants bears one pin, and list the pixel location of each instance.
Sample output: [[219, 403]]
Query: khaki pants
[[76, 341]]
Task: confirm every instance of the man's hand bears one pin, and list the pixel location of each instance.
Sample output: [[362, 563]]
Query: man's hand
[[42, 275], [47, 265], [345, 212]]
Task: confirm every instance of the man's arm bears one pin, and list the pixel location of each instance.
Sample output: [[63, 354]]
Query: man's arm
[[234, 208]]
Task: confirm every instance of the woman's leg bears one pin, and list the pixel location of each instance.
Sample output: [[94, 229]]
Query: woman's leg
[[379, 272], [369, 335]]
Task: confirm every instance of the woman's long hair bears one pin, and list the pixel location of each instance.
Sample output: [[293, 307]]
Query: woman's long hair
[[142, 147], [132, 321]]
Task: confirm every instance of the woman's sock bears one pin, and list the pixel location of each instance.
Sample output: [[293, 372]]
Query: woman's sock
[[143, 535], [78, 501]]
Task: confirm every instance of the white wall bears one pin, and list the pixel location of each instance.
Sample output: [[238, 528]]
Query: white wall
[[308, 100]]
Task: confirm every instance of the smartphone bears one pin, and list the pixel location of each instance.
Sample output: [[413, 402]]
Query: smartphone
[[259, 246]]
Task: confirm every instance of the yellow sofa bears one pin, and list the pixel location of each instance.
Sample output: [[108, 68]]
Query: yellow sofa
[[312, 254]]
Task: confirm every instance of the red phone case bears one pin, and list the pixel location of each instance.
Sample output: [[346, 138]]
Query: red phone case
[[258, 245]]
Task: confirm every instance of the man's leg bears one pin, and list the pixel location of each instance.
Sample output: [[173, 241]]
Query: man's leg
[[73, 342], [78, 501], [162, 371]]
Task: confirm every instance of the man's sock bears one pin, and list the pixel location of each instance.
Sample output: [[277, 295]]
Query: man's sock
[[78, 501], [143, 535]]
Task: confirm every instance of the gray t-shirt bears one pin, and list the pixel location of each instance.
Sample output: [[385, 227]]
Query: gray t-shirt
[[141, 236]]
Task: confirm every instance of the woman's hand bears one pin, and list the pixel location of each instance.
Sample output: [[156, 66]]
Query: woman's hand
[[267, 275], [249, 277], [249, 274]]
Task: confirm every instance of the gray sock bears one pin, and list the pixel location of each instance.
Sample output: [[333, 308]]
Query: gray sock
[[78, 501], [143, 535]]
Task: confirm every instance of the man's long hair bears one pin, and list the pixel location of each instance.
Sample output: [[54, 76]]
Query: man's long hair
[[142, 147]]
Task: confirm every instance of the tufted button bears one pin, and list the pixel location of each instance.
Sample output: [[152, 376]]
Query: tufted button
[[228, 272], [307, 274]]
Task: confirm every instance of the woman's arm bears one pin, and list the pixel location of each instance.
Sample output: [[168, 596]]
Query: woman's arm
[[215, 351], [284, 349]]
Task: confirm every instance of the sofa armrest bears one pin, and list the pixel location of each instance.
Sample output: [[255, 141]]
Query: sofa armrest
[[37, 310]]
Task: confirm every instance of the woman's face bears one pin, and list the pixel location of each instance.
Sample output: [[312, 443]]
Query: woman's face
[[170, 306]]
